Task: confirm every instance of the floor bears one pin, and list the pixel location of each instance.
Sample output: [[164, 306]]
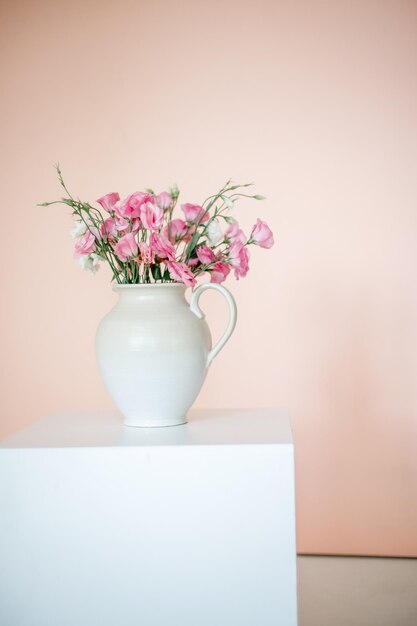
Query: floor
[[357, 591]]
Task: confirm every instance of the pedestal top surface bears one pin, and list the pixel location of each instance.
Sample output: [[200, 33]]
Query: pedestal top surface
[[205, 427]]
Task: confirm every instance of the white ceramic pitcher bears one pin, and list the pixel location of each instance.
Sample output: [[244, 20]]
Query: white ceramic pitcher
[[153, 350]]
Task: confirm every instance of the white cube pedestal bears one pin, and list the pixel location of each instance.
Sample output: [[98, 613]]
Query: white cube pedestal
[[107, 525]]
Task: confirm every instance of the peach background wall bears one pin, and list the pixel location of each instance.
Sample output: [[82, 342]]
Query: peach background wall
[[313, 100]]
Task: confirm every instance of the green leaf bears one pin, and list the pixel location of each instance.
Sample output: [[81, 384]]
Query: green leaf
[[156, 271]]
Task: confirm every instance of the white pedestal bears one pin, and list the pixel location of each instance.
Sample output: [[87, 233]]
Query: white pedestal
[[106, 525]]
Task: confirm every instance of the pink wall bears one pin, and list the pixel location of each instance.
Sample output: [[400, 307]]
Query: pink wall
[[316, 102]]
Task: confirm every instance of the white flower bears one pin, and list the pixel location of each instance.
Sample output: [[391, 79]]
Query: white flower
[[90, 262], [79, 229], [214, 232]]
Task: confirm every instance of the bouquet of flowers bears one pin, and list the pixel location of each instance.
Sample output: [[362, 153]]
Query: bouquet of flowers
[[144, 242]]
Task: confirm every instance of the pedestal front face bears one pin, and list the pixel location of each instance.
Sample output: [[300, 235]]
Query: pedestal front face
[[193, 531]]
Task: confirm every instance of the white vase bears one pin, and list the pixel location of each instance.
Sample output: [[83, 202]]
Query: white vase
[[153, 350]]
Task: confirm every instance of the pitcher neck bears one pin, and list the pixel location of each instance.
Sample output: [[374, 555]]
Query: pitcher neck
[[159, 293]]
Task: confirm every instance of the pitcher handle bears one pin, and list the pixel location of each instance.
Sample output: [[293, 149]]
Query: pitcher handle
[[195, 308]]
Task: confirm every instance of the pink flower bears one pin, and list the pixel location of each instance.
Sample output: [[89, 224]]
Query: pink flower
[[131, 206], [84, 245], [126, 247], [235, 233], [146, 253], [136, 224], [108, 228], [177, 230], [151, 215], [108, 201], [181, 273], [96, 233], [219, 272], [164, 201], [205, 255], [121, 223], [261, 235], [162, 247], [195, 213], [239, 259]]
